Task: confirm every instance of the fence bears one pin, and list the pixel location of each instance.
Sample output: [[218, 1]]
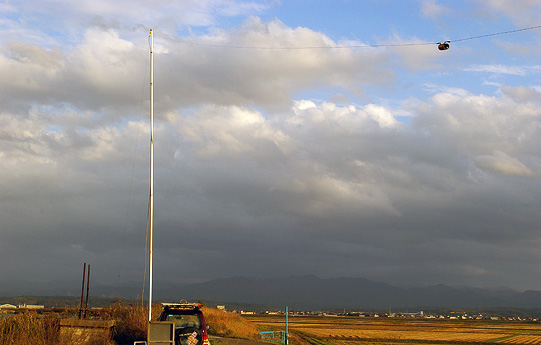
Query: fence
[[274, 337]]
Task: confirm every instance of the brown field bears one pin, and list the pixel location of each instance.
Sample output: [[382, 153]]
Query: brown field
[[362, 331]]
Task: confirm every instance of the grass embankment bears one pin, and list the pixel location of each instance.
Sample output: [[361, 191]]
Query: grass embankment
[[229, 325]]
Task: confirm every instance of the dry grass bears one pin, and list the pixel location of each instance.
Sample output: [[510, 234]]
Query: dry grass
[[29, 328], [224, 324]]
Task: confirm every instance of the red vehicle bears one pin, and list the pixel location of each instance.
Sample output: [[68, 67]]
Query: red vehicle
[[190, 325]]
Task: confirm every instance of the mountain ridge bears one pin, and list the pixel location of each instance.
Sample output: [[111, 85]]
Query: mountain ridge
[[307, 293], [311, 292]]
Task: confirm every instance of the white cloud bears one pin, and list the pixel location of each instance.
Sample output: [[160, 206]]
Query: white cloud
[[521, 12], [163, 14], [233, 132], [480, 124], [504, 164], [452, 91], [431, 9], [522, 93], [301, 161], [500, 69], [266, 76], [102, 71], [383, 116]]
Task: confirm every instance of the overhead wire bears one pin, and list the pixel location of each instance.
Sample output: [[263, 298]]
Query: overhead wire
[[349, 46], [302, 47], [497, 33], [126, 218], [147, 237]]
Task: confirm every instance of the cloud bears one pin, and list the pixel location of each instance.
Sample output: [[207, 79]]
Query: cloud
[[431, 9], [105, 69], [169, 16], [500, 69], [348, 183], [254, 154], [502, 163], [216, 75], [522, 93], [381, 115], [96, 74], [482, 124], [522, 13]]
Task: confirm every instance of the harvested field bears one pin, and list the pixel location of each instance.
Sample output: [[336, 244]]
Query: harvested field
[[362, 331]]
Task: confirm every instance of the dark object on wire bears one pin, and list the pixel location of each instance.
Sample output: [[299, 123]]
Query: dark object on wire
[[444, 45]]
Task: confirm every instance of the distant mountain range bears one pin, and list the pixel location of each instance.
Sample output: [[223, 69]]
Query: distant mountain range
[[313, 293], [307, 293]]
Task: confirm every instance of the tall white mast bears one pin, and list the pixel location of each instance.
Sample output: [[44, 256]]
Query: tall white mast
[[151, 213]]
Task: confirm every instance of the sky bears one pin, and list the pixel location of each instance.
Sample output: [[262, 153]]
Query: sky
[[292, 137]]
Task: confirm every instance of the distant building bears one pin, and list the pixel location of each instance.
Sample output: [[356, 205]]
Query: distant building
[[7, 306], [220, 307], [30, 306]]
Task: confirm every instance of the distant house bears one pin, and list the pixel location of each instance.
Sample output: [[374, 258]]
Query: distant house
[[30, 306], [7, 306]]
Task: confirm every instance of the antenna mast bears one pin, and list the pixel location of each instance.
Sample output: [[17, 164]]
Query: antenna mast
[[151, 212]]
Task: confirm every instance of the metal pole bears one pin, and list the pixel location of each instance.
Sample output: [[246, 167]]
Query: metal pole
[[286, 340], [87, 288], [82, 292], [151, 213]]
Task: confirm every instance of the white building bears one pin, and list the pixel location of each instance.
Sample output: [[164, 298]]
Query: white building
[[7, 306], [30, 306]]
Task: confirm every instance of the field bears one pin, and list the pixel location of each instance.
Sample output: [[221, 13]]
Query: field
[[362, 331], [33, 328]]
